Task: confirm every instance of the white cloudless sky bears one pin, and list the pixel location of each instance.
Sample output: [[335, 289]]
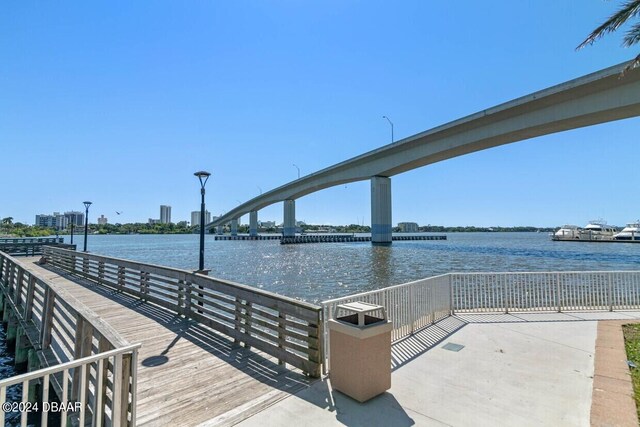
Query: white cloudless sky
[[120, 102]]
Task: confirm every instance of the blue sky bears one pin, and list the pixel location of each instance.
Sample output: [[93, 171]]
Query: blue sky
[[120, 102]]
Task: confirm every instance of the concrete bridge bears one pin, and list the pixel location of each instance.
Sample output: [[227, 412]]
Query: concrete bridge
[[601, 97]]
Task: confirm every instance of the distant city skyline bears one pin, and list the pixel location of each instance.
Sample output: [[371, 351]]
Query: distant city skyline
[[254, 94]]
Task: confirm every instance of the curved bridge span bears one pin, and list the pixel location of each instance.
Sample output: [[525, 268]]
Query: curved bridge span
[[600, 97]]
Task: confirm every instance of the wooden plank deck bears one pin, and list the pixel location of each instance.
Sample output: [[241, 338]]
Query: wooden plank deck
[[188, 374]]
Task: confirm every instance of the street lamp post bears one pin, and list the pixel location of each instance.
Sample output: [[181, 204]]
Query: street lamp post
[[203, 177], [73, 220], [86, 223], [391, 123], [298, 170]]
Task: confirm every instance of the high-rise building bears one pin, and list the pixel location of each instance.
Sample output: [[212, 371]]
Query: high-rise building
[[102, 220], [76, 217], [195, 217], [57, 221], [165, 214]]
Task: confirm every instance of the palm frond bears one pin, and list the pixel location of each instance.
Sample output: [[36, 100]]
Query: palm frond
[[628, 10], [632, 36]]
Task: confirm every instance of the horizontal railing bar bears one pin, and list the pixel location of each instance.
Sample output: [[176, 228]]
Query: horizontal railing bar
[[187, 276], [67, 365]]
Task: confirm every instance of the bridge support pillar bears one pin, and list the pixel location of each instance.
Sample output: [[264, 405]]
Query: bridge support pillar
[[289, 225], [253, 223], [219, 229], [381, 210], [234, 227]]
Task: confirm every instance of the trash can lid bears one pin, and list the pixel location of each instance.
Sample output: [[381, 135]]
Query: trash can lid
[[362, 308]]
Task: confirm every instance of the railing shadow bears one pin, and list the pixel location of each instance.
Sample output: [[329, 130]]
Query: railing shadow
[[251, 362], [409, 348]]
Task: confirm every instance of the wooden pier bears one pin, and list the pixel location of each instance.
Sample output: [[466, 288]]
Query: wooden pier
[[31, 245], [325, 238], [246, 237], [342, 238], [189, 348]]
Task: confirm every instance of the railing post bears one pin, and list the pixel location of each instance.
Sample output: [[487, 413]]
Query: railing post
[[18, 294], [505, 299], [101, 270], [238, 319], [187, 298], [2, 262], [411, 304], [142, 284], [12, 269], [47, 318], [120, 278], [116, 399], [124, 396], [558, 292], [281, 335], [28, 306], [180, 299], [247, 326], [610, 291], [451, 298]]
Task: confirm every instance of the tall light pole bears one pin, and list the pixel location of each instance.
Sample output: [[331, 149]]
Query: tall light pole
[[298, 170], [86, 222], [73, 220], [391, 123], [203, 177]]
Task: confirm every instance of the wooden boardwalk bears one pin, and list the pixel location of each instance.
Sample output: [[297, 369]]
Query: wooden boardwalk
[[188, 374]]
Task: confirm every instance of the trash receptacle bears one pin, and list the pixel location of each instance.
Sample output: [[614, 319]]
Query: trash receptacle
[[360, 350]]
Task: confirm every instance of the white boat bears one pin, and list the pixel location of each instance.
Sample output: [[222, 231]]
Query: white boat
[[598, 230], [567, 232], [595, 230], [630, 232]]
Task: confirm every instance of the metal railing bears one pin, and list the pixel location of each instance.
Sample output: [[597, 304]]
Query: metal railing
[[283, 327], [410, 306], [545, 291], [67, 336], [415, 305]]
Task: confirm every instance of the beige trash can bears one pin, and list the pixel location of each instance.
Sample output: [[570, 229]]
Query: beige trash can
[[360, 350]]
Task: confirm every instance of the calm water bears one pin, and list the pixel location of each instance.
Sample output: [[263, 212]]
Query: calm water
[[315, 272]]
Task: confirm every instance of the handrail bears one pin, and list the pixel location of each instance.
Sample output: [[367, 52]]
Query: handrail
[[411, 307], [28, 376], [64, 332], [286, 328]]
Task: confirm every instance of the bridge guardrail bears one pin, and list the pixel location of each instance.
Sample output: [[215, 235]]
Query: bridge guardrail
[[283, 327], [85, 359]]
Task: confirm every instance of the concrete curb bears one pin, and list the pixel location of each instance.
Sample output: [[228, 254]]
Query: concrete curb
[[612, 402]]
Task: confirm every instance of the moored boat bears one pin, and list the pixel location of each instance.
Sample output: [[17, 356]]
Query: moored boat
[[567, 232], [630, 232], [596, 230]]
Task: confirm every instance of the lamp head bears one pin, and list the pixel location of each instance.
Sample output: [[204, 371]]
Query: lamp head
[[87, 204], [202, 175]]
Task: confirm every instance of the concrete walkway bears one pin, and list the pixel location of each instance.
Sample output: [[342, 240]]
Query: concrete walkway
[[516, 369]]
